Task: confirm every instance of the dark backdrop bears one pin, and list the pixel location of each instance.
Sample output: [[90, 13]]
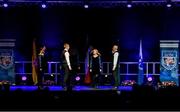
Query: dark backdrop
[[100, 27]]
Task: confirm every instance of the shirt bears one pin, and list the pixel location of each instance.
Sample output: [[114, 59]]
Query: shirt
[[115, 59], [67, 55]]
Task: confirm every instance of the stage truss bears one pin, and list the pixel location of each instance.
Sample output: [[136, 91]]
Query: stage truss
[[91, 3]]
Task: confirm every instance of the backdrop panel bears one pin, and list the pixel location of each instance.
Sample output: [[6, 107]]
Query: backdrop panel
[[169, 60], [7, 67]]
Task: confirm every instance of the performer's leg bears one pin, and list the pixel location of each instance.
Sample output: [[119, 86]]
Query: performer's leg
[[93, 79], [72, 78], [40, 83], [96, 79], [99, 79], [116, 79], [66, 75], [39, 78]]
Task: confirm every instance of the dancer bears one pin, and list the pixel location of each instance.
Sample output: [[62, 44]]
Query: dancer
[[115, 62], [95, 67], [42, 65], [66, 64]]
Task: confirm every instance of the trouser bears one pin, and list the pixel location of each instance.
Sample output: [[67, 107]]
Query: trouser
[[95, 79], [67, 77], [73, 74], [116, 77], [40, 77]]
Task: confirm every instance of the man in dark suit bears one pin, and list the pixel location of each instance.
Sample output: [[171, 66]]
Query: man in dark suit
[[42, 65], [115, 67], [66, 65]]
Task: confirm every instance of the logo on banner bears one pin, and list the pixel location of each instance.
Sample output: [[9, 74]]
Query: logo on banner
[[6, 60], [169, 59]]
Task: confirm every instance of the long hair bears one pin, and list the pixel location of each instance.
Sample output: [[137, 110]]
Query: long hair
[[99, 54]]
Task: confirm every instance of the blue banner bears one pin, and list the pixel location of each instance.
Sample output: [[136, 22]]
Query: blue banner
[[169, 63], [140, 67], [7, 72]]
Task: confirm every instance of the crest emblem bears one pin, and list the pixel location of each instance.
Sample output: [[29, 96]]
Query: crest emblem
[[6, 61], [6, 58], [169, 60]]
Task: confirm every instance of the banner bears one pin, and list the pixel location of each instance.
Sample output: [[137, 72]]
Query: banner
[[169, 61], [34, 63], [140, 66], [7, 72]]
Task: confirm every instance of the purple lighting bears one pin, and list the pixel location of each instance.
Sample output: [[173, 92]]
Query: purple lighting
[[24, 78], [86, 6], [43, 5], [129, 5], [5, 5], [78, 78], [149, 79], [168, 5]]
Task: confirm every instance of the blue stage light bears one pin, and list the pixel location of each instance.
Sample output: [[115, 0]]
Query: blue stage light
[[24, 78], [149, 78], [5, 5], [129, 5], [168, 5], [86, 6], [52, 75], [43, 6], [78, 78]]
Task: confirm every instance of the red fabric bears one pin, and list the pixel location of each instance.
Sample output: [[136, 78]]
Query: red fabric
[[88, 78]]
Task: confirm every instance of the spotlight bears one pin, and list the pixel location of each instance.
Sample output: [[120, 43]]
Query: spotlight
[[129, 5], [149, 79], [168, 5], [5, 5], [106, 75], [86, 6], [78, 78], [52, 75], [24, 78], [43, 6]]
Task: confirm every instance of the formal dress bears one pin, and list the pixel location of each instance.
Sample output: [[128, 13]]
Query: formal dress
[[95, 67]]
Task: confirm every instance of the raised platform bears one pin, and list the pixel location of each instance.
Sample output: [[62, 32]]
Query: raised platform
[[87, 98], [76, 88]]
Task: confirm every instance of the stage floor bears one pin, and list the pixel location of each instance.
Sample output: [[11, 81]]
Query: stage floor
[[76, 88], [87, 98]]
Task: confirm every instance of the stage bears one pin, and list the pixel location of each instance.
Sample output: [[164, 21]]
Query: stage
[[86, 98], [57, 43], [76, 88]]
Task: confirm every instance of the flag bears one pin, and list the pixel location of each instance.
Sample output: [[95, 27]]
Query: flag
[[34, 63], [140, 66], [87, 72]]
